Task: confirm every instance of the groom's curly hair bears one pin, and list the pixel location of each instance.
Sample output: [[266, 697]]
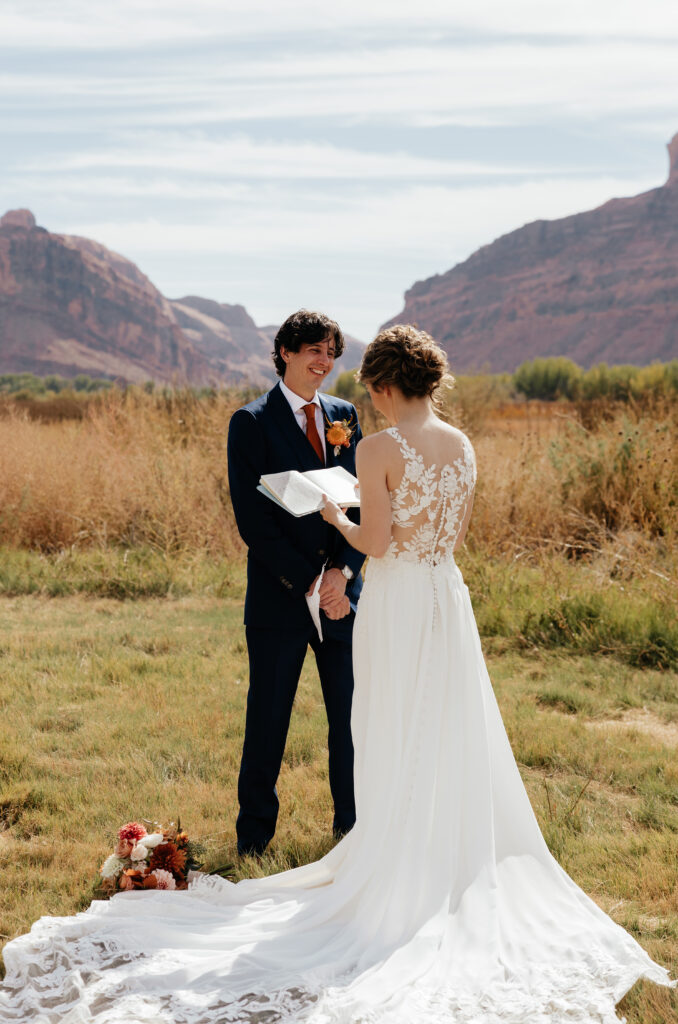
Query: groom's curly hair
[[305, 328]]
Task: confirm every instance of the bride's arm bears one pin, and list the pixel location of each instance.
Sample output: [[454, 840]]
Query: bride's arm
[[461, 536], [373, 535]]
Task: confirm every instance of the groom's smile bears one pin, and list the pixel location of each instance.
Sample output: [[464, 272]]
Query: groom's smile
[[306, 369]]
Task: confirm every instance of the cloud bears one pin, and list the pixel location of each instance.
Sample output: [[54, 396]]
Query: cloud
[[241, 157], [222, 133], [450, 222], [450, 82], [134, 24]]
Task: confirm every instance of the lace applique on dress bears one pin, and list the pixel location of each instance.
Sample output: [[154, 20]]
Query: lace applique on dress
[[429, 505]]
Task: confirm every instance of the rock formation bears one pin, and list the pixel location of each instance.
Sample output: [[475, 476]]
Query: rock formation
[[237, 350], [69, 305], [600, 286]]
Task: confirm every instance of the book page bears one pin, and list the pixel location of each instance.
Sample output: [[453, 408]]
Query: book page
[[338, 484], [293, 491]]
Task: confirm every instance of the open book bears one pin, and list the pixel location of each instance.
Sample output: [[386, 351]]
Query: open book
[[302, 493]]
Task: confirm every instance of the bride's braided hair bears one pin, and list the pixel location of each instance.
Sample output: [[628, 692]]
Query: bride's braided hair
[[409, 359]]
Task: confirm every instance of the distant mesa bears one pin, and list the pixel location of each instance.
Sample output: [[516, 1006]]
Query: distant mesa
[[18, 219], [600, 286], [673, 161], [69, 305]]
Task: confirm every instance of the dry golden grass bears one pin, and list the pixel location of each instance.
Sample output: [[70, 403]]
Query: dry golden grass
[[136, 470], [151, 470]]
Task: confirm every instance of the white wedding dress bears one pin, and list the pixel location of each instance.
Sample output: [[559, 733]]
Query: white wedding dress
[[442, 906]]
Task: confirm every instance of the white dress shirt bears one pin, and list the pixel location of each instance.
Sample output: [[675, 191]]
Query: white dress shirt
[[297, 404]]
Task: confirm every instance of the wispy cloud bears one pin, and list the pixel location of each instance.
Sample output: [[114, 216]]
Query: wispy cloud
[[142, 23], [267, 149], [443, 82], [245, 158], [447, 222]]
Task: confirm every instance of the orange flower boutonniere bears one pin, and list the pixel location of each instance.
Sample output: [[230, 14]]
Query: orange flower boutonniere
[[339, 434]]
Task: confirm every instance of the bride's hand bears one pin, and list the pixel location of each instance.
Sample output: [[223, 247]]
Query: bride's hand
[[330, 511]]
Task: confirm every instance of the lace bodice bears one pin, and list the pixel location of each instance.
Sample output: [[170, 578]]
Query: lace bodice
[[429, 505]]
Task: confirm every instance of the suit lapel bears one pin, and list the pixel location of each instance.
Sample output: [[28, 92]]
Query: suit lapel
[[326, 407], [290, 431]]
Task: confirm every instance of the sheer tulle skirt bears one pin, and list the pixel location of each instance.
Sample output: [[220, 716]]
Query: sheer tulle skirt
[[442, 905]]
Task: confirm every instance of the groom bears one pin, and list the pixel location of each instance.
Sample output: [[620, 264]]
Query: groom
[[286, 429]]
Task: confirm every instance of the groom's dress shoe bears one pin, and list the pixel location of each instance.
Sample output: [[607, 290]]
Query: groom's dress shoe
[[339, 831], [252, 849]]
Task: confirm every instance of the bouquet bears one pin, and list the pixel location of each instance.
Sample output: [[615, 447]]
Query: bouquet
[[157, 859]]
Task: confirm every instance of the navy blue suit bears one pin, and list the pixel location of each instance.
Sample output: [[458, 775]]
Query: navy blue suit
[[284, 556]]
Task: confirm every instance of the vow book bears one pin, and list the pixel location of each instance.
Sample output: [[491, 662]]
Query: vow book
[[302, 493]]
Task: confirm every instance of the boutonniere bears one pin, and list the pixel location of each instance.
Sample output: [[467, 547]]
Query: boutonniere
[[339, 433]]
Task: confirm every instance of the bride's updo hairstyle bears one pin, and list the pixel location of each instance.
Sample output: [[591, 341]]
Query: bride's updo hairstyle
[[407, 358]]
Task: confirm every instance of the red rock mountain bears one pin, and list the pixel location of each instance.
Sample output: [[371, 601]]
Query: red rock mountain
[[237, 350], [600, 286], [68, 305]]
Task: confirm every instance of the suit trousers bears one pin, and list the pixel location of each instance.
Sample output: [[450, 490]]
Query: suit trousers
[[276, 658]]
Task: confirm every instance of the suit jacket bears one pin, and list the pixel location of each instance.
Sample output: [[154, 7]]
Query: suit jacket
[[286, 553]]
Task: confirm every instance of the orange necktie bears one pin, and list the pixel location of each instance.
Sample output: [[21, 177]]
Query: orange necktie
[[312, 431]]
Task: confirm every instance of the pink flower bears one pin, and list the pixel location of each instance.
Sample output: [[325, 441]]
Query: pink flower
[[131, 833], [165, 879], [123, 849], [126, 883]]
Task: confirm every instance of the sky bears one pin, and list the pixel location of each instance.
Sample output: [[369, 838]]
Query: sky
[[326, 155]]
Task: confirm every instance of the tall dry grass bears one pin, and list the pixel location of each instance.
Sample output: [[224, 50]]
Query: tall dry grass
[[150, 470], [574, 488], [136, 470]]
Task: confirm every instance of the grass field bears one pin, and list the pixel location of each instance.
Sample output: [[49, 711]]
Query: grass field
[[123, 669], [116, 709]]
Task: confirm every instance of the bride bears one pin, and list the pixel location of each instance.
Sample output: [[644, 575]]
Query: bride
[[443, 905]]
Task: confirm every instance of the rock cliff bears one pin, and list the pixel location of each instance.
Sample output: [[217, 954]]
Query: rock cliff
[[69, 305], [597, 286]]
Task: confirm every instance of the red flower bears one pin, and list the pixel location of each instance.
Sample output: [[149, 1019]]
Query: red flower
[[131, 833]]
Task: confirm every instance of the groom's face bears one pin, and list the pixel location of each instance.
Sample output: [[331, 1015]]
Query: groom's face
[[306, 369]]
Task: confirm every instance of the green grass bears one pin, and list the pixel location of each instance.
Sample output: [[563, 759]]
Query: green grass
[[113, 709], [120, 573], [554, 604], [576, 607]]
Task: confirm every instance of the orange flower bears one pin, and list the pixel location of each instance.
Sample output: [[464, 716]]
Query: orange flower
[[150, 882], [339, 434], [167, 857], [131, 879]]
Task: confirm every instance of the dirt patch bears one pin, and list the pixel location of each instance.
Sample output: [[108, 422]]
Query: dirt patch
[[644, 721]]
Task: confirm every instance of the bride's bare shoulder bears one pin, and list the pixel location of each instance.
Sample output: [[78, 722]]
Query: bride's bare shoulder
[[379, 448], [381, 441], [453, 433]]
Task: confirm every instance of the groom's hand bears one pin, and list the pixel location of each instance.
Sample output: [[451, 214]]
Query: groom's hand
[[340, 610], [333, 600]]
